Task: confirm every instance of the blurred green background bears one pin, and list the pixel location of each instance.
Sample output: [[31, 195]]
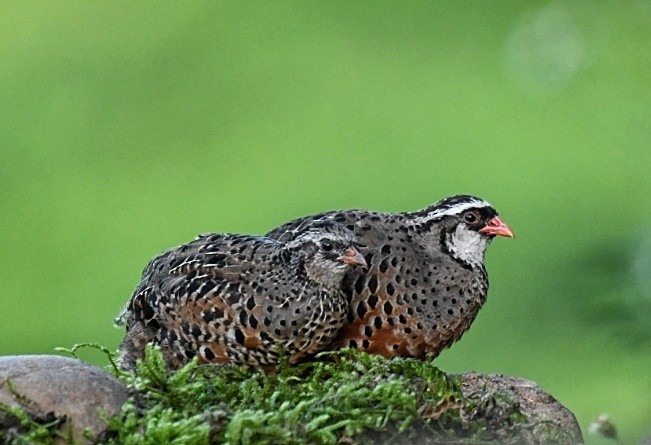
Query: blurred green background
[[127, 128]]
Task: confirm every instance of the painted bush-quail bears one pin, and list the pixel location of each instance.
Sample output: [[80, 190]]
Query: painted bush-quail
[[425, 280], [240, 299]]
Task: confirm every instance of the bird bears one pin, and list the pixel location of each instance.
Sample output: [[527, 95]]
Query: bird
[[425, 281], [240, 299]]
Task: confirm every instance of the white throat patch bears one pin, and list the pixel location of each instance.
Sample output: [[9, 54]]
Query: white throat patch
[[467, 245]]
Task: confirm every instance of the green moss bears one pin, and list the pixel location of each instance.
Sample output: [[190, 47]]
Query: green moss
[[344, 396], [339, 396]]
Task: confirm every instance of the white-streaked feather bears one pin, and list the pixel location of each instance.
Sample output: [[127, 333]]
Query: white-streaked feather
[[455, 209]]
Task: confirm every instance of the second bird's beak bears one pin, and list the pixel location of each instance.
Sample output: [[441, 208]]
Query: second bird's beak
[[354, 257], [497, 227]]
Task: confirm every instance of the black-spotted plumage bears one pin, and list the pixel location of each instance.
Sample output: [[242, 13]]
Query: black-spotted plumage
[[241, 299], [425, 280]]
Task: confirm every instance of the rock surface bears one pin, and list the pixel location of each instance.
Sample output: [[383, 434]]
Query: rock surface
[[496, 400], [549, 422], [60, 390]]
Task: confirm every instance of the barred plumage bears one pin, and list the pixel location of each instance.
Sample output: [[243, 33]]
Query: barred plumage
[[242, 299]]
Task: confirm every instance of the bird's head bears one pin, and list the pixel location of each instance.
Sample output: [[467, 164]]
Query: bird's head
[[326, 250], [464, 225]]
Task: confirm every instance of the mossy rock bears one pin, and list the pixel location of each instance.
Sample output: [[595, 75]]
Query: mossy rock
[[339, 397]]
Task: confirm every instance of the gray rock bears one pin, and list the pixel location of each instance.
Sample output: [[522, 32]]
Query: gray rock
[[58, 390], [507, 410], [548, 422]]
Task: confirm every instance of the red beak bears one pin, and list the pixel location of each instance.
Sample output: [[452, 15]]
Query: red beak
[[497, 227], [354, 257]]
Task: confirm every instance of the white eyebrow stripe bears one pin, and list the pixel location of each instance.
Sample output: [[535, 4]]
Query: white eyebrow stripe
[[453, 210]]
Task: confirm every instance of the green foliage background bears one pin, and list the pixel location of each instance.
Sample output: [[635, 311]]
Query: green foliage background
[[127, 128]]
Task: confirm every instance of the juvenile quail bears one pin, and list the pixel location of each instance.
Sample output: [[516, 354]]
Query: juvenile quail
[[241, 299], [425, 280]]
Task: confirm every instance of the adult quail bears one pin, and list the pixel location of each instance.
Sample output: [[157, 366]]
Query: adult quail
[[242, 299], [425, 280]]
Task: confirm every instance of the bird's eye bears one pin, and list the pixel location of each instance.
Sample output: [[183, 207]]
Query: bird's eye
[[326, 245], [470, 217]]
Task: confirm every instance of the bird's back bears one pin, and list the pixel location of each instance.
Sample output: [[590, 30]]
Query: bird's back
[[193, 293]]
